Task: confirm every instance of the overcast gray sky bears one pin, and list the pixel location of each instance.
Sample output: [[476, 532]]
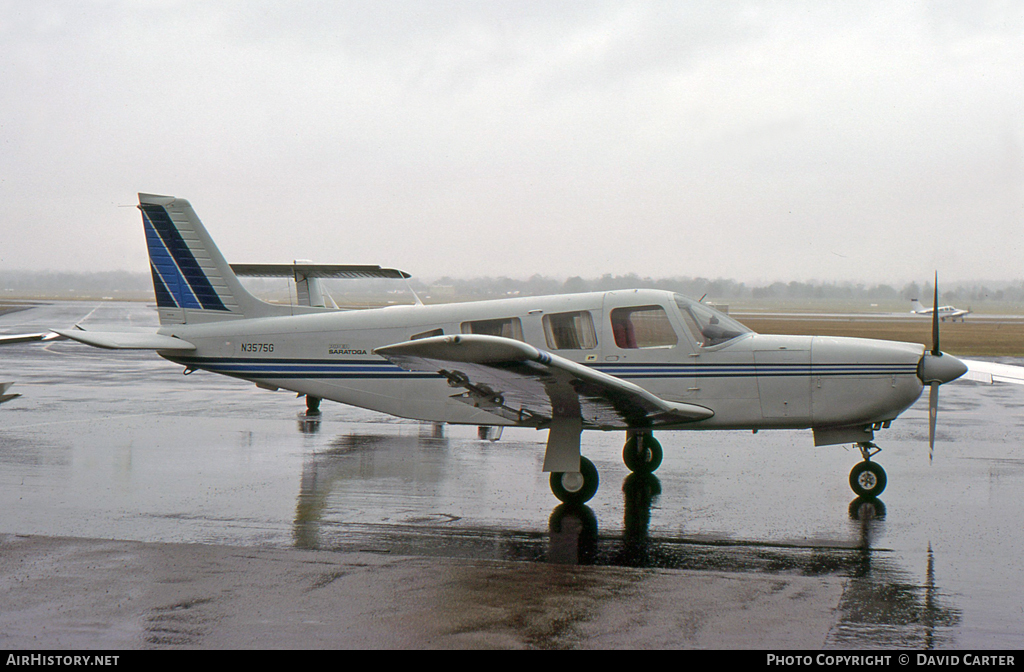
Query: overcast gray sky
[[760, 141]]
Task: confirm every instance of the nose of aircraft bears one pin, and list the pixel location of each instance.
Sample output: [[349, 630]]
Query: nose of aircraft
[[940, 368]]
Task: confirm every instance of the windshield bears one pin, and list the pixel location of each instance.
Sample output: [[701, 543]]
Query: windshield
[[712, 326]]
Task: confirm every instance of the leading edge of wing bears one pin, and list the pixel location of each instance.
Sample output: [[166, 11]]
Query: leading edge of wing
[[992, 372], [126, 340], [508, 358]]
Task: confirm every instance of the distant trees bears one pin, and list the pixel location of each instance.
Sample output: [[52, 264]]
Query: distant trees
[[123, 284]]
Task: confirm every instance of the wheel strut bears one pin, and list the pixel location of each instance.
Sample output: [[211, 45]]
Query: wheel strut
[[868, 449]]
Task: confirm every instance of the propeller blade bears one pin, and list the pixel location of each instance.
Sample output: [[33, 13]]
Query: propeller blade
[[935, 319], [933, 415]]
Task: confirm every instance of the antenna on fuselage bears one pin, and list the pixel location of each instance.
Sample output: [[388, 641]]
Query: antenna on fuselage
[[416, 296]]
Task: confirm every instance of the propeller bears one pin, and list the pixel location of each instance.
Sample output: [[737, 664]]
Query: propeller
[[934, 369]]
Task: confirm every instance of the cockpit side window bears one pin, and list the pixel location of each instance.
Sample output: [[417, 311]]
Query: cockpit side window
[[713, 327], [642, 327], [506, 327]]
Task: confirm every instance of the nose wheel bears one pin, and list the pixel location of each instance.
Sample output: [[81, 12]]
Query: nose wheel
[[867, 478]]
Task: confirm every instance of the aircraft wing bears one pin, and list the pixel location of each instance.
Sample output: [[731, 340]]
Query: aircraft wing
[[531, 387], [126, 340], [315, 271], [11, 339], [991, 372], [3, 393]]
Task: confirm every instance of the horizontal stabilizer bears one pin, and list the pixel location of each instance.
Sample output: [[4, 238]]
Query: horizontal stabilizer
[[126, 340], [315, 271], [532, 387]]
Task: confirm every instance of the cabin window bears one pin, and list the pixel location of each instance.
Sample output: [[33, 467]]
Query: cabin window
[[642, 327], [428, 334], [570, 331], [506, 327]]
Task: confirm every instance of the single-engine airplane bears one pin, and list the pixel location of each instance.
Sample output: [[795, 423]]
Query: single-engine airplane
[[635, 361], [952, 312]]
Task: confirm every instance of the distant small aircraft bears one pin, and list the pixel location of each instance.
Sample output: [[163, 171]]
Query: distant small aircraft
[[951, 312], [635, 361]]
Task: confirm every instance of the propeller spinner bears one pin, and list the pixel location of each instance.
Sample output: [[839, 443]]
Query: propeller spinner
[[936, 368]]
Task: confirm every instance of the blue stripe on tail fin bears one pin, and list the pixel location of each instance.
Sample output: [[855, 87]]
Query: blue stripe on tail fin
[[174, 262], [191, 279]]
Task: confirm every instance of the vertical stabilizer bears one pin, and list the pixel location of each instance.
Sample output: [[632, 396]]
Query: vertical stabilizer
[[192, 281]]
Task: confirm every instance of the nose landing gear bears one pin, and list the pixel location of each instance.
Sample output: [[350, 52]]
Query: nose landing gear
[[867, 478]]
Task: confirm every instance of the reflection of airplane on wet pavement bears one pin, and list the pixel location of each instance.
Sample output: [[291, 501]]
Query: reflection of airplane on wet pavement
[[637, 360], [882, 603], [943, 312]]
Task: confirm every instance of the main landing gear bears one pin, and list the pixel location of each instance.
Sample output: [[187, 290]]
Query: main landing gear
[[574, 487], [642, 454], [867, 478]]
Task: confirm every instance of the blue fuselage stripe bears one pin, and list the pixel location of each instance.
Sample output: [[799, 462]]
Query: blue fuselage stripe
[[381, 369]]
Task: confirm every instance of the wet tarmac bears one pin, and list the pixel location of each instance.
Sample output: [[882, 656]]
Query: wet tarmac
[[120, 446]]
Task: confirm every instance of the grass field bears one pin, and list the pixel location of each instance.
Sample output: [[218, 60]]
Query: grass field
[[978, 338]]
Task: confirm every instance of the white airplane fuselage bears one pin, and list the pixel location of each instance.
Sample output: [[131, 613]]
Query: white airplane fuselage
[[841, 387]]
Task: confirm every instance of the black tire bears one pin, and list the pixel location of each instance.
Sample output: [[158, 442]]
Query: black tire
[[642, 454], [564, 490], [867, 479]]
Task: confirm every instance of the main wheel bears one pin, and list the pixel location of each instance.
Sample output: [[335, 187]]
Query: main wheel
[[867, 479], [642, 453], [575, 487]]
